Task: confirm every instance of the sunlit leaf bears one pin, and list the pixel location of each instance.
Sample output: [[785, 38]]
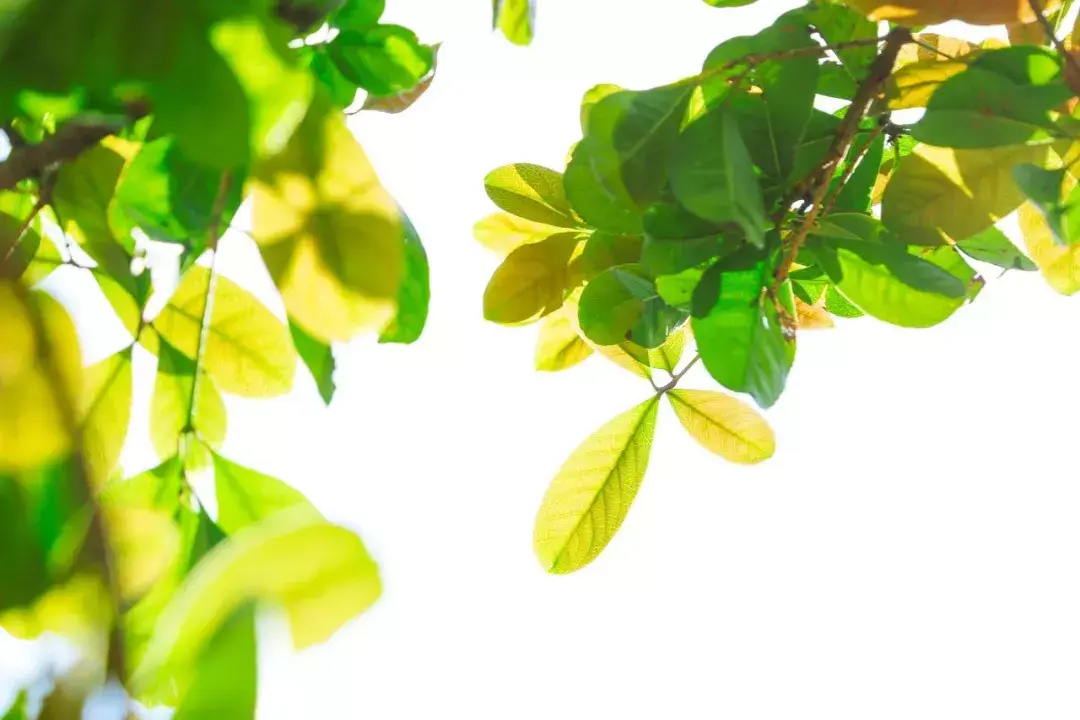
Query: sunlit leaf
[[399, 102], [558, 345], [144, 544], [932, 12], [106, 410], [414, 295], [245, 496], [622, 304], [723, 425], [502, 232], [992, 246], [1059, 264], [531, 281], [358, 14], [592, 492], [170, 407], [592, 96], [319, 358], [225, 681], [384, 59], [531, 192], [515, 18]]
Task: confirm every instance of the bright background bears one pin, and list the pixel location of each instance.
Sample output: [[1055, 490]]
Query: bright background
[[910, 552]]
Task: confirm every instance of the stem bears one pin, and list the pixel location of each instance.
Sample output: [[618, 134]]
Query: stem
[[97, 539], [675, 378], [1036, 5], [21, 230]]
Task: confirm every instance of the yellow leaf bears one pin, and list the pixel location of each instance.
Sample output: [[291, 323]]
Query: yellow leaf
[[77, 610], [248, 351], [106, 411], [502, 232], [330, 234], [590, 496], [144, 545], [938, 192], [171, 404], [931, 12], [558, 345], [813, 317], [935, 47], [666, 357], [531, 282], [912, 85], [724, 425], [618, 355], [33, 426], [1059, 264]]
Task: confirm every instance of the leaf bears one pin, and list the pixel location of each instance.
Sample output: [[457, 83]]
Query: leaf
[[992, 246], [246, 497], [912, 85], [603, 250], [330, 235], [502, 232], [723, 425], [531, 192], [813, 317], [318, 357], [666, 357], [1059, 264], [358, 14], [106, 412], [384, 60], [143, 544], [247, 350], [939, 193], [712, 175], [741, 340], [399, 102], [593, 96], [414, 295], [595, 190], [621, 357], [33, 428], [322, 575], [931, 12], [855, 196], [170, 406], [558, 345], [641, 130], [622, 304], [592, 492], [1045, 188], [515, 18], [225, 680], [1003, 98], [530, 282], [838, 24]]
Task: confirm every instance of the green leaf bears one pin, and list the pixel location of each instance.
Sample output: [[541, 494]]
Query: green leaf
[[322, 575], [621, 304], [246, 350], [595, 190], [17, 711], [645, 127], [713, 177], [414, 295], [729, 3], [592, 492], [838, 24], [531, 282], [246, 497], [225, 680], [532, 192], [938, 194], [23, 574], [1003, 98], [340, 90], [1045, 188], [741, 340], [515, 18], [992, 246], [106, 411], [319, 358], [170, 406], [604, 250], [384, 60], [856, 193], [158, 488], [358, 14], [593, 96], [401, 101], [723, 425]]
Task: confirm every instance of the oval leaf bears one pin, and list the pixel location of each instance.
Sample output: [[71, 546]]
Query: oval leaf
[[723, 425], [532, 192]]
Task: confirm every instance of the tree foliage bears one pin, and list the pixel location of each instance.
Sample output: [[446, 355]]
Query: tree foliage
[[711, 219]]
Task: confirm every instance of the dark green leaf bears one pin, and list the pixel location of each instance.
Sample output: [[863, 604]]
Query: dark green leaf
[[596, 194], [340, 89], [643, 135], [604, 250], [383, 60], [992, 246], [23, 574], [414, 294], [621, 304], [319, 358], [856, 194]]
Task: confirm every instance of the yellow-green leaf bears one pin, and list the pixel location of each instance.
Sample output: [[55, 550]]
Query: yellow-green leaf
[[618, 355], [667, 356], [912, 85], [245, 496], [33, 426], [724, 425], [171, 404], [321, 573], [1058, 263], [558, 345], [106, 411], [144, 544], [330, 234], [248, 351], [589, 498], [531, 282], [532, 192], [502, 232]]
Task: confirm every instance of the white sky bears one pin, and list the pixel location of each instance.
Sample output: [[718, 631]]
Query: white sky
[[911, 551]]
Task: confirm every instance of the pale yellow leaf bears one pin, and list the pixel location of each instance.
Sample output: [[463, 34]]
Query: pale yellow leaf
[[813, 317], [1058, 263], [248, 351], [558, 344], [106, 411], [590, 496], [618, 355], [724, 425], [330, 234], [912, 85], [502, 232]]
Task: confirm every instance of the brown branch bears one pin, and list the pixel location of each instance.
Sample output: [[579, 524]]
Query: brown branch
[[816, 184], [1037, 7]]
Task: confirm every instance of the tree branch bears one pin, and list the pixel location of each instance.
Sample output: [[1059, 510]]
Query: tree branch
[[1037, 7]]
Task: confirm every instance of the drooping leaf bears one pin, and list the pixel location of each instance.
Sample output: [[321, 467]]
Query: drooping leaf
[[330, 234], [414, 295], [531, 282], [992, 246], [532, 192], [245, 496], [559, 346], [384, 59], [592, 492], [399, 102], [855, 196], [515, 18], [502, 232], [105, 412], [319, 358], [740, 338], [723, 425], [247, 350], [322, 575]]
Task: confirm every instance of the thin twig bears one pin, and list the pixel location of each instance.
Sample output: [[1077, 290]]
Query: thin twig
[[676, 377], [1036, 6], [21, 231]]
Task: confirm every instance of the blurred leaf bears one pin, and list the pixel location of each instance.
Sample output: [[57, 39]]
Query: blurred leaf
[[358, 14], [17, 711], [319, 358], [23, 574], [322, 575], [329, 233], [992, 246], [915, 13], [1059, 264], [530, 282], [158, 488], [225, 679], [531, 192], [515, 18], [414, 295], [558, 345], [105, 412], [592, 492], [247, 350], [245, 496], [144, 544], [723, 425], [502, 232], [403, 100], [384, 59], [170, 407]]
